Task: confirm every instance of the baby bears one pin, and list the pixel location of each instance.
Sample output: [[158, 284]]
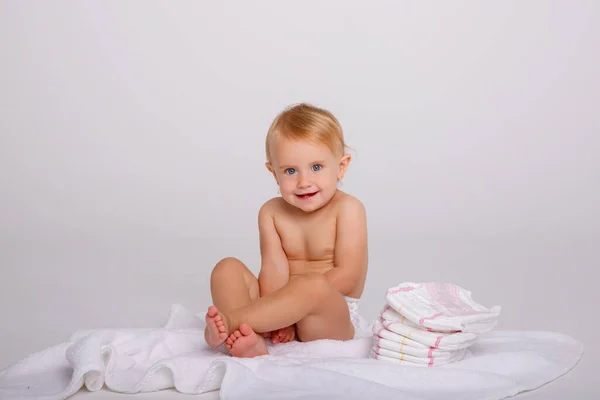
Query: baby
[[313, 243]]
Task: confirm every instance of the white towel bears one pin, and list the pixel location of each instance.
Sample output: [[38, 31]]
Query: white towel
[[500, 365], [442, 307]]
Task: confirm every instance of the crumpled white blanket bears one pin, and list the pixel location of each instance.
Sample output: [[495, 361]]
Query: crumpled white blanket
[[500, 365]]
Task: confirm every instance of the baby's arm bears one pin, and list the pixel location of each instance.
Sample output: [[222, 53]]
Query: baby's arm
[[351, 254], [274, 271]]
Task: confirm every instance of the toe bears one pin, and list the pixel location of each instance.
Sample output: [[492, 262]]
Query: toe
[[212, 311], [245, 329], [237, 334]]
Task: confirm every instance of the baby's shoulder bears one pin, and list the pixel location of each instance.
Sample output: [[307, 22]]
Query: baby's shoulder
[[349, 204], [271, 207]]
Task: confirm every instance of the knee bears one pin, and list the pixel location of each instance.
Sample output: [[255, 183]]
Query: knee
[[227, 266]]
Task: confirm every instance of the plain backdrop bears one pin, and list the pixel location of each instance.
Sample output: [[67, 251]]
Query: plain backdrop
[[132, 151]]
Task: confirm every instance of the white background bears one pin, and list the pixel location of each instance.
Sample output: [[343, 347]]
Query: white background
[[132, 151]]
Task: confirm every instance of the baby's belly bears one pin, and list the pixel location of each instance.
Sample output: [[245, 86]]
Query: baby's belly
[[303, 267]]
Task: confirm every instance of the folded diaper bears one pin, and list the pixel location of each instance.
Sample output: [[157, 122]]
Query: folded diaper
[[429, 324], [399, 348], [438, 340], [441, 307], [380, 331], [399, 358]]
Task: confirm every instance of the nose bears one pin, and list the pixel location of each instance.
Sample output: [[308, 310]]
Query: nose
[[302, 181]]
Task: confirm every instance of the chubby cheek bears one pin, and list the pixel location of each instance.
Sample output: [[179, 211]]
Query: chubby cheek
[[287, 185], [327, 182]]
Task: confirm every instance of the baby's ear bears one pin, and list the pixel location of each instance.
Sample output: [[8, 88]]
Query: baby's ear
[[344, 162], [270, 167], [271, 170]]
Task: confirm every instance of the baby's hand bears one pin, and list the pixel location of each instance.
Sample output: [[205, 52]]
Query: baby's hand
[[284, 335]]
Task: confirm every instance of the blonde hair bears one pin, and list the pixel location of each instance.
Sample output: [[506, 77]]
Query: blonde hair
[[306, 122]]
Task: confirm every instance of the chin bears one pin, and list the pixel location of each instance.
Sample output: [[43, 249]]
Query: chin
[[309, 208]]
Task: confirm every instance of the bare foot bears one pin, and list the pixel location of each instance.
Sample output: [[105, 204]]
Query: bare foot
[[284, 335], [245, 343], [215, 332]]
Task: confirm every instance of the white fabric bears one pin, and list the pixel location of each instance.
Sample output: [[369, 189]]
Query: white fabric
[[499, 365], [442, 307], [362, 328]]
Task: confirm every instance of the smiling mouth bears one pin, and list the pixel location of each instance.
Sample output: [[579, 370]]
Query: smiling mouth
[[306, 195]]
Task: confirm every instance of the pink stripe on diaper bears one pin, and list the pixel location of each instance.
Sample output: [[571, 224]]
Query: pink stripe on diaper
[[437, 297], [454, 291], [382, 329], [430, 353], [428, 318], [402, 289], [435, 346]]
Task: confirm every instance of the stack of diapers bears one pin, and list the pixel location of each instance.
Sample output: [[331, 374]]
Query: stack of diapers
[[429, 324]]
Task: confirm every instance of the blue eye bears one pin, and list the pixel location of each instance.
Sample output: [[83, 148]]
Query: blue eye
[[290, 171], [317, 167]]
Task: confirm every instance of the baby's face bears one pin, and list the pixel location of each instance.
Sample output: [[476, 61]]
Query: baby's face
[[307, 173]]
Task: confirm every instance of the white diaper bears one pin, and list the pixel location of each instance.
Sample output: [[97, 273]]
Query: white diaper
[[441, 307], [362, 328]]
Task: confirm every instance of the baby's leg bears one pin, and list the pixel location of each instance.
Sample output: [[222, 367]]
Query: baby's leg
[[232, 286], [329, 319], [317, 308]]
